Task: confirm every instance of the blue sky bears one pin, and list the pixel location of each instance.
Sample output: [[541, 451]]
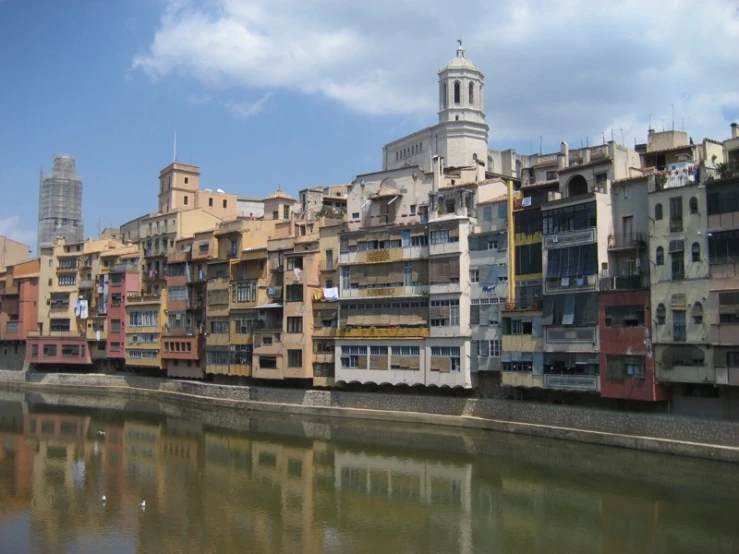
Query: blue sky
[[298, 93]]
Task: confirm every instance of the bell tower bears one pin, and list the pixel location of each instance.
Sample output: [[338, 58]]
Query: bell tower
[[461, 92]]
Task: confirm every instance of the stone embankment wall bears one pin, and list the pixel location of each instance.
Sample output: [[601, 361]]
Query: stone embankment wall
[[666, 433]]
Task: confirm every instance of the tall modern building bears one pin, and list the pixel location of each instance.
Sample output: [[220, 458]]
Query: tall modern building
[[60, 203]]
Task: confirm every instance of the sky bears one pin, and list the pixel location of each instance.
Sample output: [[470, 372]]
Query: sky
[[297, 93]]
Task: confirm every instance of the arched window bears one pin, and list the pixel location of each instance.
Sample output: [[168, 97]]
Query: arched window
[[457, 92], [660, 256], [661, 314], [696, 252], [658, 212], [693, 205], [697, 313], [472, 94]]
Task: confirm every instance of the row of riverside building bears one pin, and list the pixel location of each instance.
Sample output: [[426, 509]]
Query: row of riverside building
[[585, 275]]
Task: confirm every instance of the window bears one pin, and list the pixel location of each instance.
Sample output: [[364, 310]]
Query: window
[[187, 180], [660, 257], [225, 203], [457, 92], [355, 215], [178, 293], [116, 279], [244, 291], [678, 326], [693, 205], [67, 280], [601, 178], [569, 218], [294, 358], [329, 260], [115, 325], [147, 318], [444, 313], [285, 212], [474, 275], [210, 202], [676, 214], [413, 209], [59, 325], [472, 93], [294, 324], [495, 348], [622, 367], [626, 192], [697, 313], [624, 316], [528, 259], [728, 307], [34, 350], [661, 314], [346, 277], [677, 265], [351, 356], [658, 212], [219, 326], [294, 293], [186, 199], [115, 346], [276, 215], [449, 352], [695, 252], [295, 262], [216, 357], [50, 350], [723, 247]]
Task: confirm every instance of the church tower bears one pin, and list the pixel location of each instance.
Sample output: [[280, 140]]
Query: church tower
[[461, 91], [463, 133]]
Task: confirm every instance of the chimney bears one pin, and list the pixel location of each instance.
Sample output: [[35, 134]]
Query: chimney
[[586, 156], [561, 161], [734, 130], [565, 149], [437, 174]]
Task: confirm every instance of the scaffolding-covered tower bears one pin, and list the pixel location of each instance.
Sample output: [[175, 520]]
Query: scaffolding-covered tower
[[60, 203]]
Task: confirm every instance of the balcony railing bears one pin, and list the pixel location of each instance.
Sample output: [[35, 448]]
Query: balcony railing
[[572, 382], [13, 327], [679, 333], [86, 284], [523, 305], [676, 224], [632, 282], [627, 240]]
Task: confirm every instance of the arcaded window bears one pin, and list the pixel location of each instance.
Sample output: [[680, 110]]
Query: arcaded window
[[696, 252], [457, 92], [658, 212], [472, 93], [693, 204], [660, 258]]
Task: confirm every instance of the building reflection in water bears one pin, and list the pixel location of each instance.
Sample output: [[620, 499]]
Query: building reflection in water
[[220, 491]]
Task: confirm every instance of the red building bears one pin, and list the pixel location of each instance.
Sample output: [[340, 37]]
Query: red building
[[123, 280], [626, 355], [19, 290]]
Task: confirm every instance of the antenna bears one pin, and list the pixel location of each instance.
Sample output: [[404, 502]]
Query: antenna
[[673, 116], [650, 122], [541, 142], [174, 155], [622, 136], [603, 135]]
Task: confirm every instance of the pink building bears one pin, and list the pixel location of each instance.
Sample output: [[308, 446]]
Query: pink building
[[124, 279]]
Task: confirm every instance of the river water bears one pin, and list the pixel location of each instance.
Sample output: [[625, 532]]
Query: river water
[[219, 481]]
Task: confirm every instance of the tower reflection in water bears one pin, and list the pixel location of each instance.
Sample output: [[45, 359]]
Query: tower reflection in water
[[215, 490]]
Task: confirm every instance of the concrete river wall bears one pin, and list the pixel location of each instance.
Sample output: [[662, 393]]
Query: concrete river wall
[[665, 433]]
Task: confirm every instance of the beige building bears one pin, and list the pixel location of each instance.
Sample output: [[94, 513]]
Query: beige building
[[12, 252]]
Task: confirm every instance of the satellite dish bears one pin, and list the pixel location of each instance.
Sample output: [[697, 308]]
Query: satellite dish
[[362, 182], [221, 191]]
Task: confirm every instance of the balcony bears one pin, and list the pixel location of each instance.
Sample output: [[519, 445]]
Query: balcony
[[380, 256], [631, 282], [445, 248], [323, 358], [125, 268], [676, 224], [724, 334], [416, 290], [326, 332], [86, 284], [523, 306], [522, 343], [627, 241], [382, 333], [562, 338], [445, 288], [135, 299], [520, 379], [572, 382]]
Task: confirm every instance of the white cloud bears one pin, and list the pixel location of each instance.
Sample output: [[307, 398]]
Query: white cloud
[[247, 109], [11, 227], [562, 70]]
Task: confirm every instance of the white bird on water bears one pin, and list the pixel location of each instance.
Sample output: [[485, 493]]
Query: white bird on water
[[103, 499], [101, 433], [143, 504]]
